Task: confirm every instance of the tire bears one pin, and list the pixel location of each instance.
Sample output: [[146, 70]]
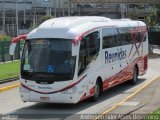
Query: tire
[[134, 80], [97, 92]]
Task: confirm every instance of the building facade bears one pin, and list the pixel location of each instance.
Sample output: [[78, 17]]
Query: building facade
[[18, 16], [135, 9]]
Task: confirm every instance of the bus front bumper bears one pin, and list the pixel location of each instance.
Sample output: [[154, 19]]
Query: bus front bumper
[[60, 97]]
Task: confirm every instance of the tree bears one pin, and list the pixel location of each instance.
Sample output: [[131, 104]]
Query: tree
[[44, 18], [40, 20], [157, 15], [154, 18]]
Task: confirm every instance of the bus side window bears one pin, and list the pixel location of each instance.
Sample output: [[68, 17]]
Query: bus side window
[[117, 37], [145, 38], [125, 36], [109, 38], [93, 44], [82, 57], [141, 37]]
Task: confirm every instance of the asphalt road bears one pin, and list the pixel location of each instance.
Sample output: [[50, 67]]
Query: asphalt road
[[11, 104]]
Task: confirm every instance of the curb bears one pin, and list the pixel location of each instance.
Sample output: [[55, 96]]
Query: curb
[[9, 62], [9, 80], [9, 87]]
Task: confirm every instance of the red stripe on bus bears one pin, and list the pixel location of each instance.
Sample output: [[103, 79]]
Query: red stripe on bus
[[84, 96], [20, 37], [79, 37], [123, 75], [63, 89]]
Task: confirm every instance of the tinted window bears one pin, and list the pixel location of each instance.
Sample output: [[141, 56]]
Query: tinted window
[[48, 58], [125, 36], [145, 38], [89, 49], [141, 36], [109, 38], [117, 38], [138, 37], [93, 43]]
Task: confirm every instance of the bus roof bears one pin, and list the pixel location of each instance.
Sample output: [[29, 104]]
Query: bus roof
[[70, 27]]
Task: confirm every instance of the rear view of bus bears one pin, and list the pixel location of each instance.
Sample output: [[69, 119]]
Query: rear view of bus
[[69, 59]]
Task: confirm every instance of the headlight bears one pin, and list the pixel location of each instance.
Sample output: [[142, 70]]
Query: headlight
[[24, 90], [70, 91]]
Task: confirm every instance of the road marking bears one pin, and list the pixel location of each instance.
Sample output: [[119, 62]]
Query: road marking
[[127, 98], [9, 87], [130, 103]]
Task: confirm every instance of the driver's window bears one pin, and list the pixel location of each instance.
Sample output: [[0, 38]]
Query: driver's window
[[89, 49]]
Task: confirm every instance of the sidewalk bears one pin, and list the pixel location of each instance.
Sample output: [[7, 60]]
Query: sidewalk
[[147, 101]]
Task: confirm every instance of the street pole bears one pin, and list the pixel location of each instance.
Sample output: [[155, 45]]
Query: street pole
[[59, 8], [69, 8], [63, 8], [79, 11], [3, 16], [17, 29], [24, 18], [55, 10], [122, 6], [34, 18], [50, 14]]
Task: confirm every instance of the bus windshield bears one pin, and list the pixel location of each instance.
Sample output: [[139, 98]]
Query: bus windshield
[[48, 59]]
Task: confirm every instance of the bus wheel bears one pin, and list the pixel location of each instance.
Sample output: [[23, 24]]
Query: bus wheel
[[135, 76], [97, 92]]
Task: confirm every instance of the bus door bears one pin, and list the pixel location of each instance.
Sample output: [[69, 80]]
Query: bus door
[[88, 54]]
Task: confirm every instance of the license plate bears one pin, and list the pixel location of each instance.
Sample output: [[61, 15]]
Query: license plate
[[44, 98]]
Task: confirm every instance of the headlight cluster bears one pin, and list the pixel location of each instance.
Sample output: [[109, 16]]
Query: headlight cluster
[[70, 91], [24, 90]]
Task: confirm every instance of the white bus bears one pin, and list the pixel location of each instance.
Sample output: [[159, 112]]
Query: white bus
[[69, 59]]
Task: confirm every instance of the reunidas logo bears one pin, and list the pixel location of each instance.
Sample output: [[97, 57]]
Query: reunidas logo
[[116, 56]]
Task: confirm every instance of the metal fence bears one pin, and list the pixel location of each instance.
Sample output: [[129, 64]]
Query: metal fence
[[154, 35], [9, 66], [4, 52], [154, 38]]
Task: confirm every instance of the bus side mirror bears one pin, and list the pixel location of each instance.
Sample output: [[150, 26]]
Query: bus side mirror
[[12, 48], [74, 49], [14, 43], [75, 44]]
